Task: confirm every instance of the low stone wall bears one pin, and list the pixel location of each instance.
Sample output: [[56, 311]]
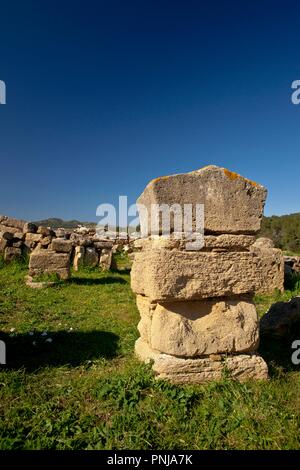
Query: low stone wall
[[54, 251]]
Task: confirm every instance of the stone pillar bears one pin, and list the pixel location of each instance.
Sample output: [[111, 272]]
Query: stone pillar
[[197, 312]]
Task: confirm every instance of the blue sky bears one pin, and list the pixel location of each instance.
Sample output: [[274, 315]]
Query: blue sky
[[103, 96]]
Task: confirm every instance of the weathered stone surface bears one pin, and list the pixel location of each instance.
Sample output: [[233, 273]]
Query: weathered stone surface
[[60, 245], [227, 242], [165, 275], [45, 241], [19, 235], [91, 257], [33, 237], [78, 257], [46, 231], [102, 244], [6, 228], [198, 328], [12, 253], [31, 240], [241, 367], [3, 245], [105, 260], [263, 243], [232, 204], [60, 233], [12, 222], [281, 319], [30, 227], [48, 261]]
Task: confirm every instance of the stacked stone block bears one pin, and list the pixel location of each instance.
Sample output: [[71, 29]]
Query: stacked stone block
[[197, 310]]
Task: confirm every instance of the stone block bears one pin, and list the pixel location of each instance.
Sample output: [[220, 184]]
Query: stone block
[[232, 203], [241, 367], [199, 328]]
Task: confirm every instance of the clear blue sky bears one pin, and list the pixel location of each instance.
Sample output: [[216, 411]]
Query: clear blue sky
[[103, 96]]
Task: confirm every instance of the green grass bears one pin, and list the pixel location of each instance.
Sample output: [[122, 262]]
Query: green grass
[[85, 389]]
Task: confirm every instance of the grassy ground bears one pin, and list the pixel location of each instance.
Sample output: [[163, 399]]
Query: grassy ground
[[72, 382]]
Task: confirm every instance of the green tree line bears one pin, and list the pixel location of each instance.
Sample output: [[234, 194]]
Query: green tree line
[[284, 230]]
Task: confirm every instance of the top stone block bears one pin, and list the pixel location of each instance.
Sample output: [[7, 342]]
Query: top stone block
[[232, 203]]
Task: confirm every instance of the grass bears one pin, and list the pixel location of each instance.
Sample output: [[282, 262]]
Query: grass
[[85, 389]]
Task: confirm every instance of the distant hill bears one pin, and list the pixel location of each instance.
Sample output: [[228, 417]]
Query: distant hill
[[58, 223], [284, 230]]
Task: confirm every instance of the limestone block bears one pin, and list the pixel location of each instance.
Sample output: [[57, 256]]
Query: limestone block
[[6, 228], [48, 261], [163, 275], [3, 245], [105, 259], [79, 257], [91, 257], [60, 245], [198, 328], [196, 371], [12, 253], [232, 203], [224, 242], [12, 222]]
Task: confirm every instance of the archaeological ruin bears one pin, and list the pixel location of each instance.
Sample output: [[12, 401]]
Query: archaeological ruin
[[55, 251], [198, 319]]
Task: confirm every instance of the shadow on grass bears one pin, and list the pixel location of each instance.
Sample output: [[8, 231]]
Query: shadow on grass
[[277, 352], [121, 270], [65, 348], [84, 281]]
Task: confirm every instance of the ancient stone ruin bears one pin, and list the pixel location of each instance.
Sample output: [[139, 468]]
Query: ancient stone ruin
[[198, 318], [54, 251]]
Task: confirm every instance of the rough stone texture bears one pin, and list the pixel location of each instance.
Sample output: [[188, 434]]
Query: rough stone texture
[[91, 257], [45, 241], [6, 228], [263, 243], [226, 242], [61, 246], [19, 235], [3, 245], [48, 261], [282, 319], [79, 257], [46, 232], [232, 204], [12, 222], [165, 275], [102, 244], [12, 253], [200, 327], [105, 260], [241, 367]]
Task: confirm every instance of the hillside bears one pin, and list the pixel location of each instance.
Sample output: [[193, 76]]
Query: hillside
[[58, 223], [284, 230]]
